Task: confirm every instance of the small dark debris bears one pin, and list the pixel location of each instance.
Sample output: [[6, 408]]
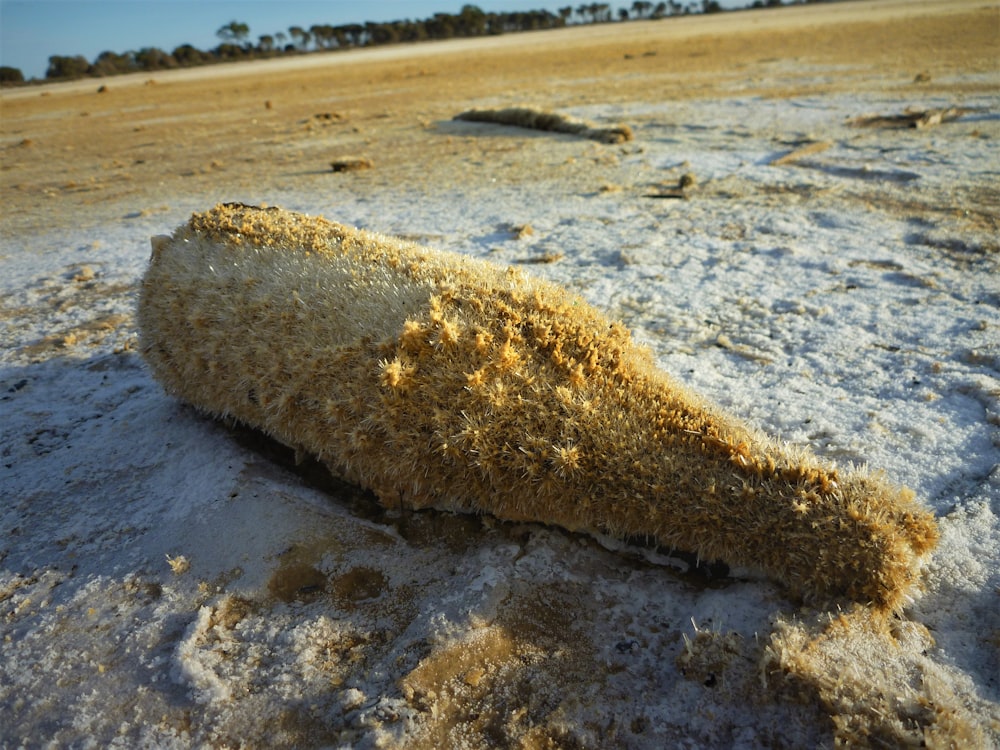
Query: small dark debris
[[18, 386], [351, 164], [549, 257], [685, 182]]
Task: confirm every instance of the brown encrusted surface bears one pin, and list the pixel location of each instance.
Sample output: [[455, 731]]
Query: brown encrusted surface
[[439, 381]]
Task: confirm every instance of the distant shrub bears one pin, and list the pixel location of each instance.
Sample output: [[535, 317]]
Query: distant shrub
[[186, 55], [228, 51], [10, 76], [152, 58], [67, 67], [470, 22], [112, 63]]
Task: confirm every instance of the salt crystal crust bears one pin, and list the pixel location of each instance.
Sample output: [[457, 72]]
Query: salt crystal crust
[[439, 381]]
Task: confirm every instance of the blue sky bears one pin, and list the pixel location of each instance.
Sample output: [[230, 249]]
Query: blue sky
[[32, 30]]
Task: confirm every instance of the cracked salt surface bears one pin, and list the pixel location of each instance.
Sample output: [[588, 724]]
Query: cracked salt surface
[[848, 301]]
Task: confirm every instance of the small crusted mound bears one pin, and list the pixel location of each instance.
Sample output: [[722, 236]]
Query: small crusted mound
[[872, 676], [440, 381]]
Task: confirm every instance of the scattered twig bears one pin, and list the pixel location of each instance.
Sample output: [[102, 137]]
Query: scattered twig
[[671, 193], [910, 118], [679, 191], [809, 149], [549, 257]]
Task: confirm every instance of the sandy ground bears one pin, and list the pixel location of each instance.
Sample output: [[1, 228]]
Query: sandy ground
[[168, 581], [72, 155]]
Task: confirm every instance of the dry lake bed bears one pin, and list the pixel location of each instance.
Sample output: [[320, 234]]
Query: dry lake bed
[[803, 228]]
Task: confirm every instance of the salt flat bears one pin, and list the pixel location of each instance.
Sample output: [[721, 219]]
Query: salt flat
[[169, 581]]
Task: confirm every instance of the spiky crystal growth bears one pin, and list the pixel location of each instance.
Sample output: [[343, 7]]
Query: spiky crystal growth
[[436, 380]]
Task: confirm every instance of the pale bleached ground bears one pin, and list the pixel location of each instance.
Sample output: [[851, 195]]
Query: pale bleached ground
[[848, 301]]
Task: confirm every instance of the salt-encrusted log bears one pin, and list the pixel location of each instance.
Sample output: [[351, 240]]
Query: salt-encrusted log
[[440, 381], [535, 119]]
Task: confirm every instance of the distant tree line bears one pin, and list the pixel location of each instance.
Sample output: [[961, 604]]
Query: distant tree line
[[471, 21]]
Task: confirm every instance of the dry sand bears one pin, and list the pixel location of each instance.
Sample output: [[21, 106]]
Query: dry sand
[[71, 154]]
